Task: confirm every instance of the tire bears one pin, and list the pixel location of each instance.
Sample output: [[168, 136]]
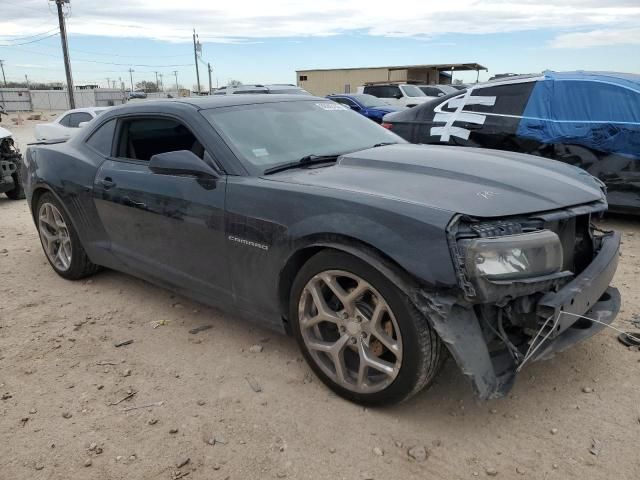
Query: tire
[[18, 192], [76, 264], [401, 337]]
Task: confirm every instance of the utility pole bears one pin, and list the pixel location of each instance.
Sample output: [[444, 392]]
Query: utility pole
[[161, 83], [157, 84], [131, 70], [65, 51], [5, 78], [26, 79], [196, 47], [210, 70], [108, 82], [175, 72]]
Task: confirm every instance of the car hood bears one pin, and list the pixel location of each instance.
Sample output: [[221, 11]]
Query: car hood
[[478, 182]]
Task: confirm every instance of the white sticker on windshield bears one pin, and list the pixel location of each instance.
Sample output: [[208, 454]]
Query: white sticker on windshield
[[331, 106], [260, 152]]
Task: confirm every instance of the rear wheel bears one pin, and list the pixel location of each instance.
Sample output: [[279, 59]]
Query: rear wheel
[[360, 334], [60, 241]]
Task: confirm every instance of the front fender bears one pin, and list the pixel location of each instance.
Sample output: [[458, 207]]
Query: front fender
[[418, 248]]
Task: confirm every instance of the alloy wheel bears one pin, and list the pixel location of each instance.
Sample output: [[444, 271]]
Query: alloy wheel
[[350, 331], [55, 236]]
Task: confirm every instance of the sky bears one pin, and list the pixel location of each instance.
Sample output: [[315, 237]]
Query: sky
[[267, 41]]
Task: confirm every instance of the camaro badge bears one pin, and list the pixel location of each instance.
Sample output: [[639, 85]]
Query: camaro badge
[[249, 243]]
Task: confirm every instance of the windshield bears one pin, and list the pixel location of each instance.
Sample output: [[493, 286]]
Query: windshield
[[370, 101], [412, 91], [270, 134]]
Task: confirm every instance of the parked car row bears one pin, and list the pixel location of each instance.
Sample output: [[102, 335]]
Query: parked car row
[[406, 95]]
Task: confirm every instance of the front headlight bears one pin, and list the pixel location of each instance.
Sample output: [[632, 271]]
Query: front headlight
[[525, 255]]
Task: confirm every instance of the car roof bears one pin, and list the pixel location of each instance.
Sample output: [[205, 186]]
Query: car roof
[[217, 101], [85, 109], [629, 80]]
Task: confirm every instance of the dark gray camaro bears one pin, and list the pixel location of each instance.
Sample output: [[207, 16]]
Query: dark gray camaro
[[302, 215]]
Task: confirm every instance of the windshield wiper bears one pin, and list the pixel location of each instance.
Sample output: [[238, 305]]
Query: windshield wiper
[[302, 162], [384, 144]]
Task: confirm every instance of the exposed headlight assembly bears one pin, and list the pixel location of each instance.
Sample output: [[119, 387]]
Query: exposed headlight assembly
[[509, 259]]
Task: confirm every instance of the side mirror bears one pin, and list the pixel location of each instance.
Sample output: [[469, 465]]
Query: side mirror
[[441, 94], [82, 124], [181, 162], [355, 107], [398, 96]]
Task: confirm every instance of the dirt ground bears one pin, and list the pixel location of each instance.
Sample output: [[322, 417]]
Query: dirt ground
[[61, 377]]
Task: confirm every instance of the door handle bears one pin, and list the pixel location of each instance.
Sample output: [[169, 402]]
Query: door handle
[[131, 203], [107, 183]]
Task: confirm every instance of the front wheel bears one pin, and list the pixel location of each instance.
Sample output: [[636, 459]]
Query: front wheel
[[359, 333]]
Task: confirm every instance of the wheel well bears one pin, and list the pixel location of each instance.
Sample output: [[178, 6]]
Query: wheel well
[[365, 252], [35, 198]]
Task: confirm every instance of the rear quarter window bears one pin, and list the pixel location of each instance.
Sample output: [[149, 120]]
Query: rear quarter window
[[510, 99], [64, 121], [101, 140]]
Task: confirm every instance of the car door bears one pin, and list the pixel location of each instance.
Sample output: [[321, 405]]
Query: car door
[[168, 228]]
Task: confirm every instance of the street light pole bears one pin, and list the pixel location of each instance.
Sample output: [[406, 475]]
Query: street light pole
[[175, 72], [131, 70]]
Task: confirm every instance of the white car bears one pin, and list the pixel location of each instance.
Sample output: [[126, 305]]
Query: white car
[[67, 123], [436, 91], [402, 95]]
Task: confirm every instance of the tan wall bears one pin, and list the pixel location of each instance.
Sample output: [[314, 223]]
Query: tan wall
[[324, 82]]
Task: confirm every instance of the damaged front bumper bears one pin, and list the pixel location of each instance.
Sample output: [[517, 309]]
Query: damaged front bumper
[[492, 371]]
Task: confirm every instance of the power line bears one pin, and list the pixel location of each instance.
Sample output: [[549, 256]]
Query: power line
[[103, 63], [129, 56], [32, 41], [19, 38]]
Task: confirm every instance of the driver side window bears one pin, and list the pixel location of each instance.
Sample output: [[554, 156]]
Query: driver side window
[[142, 138]]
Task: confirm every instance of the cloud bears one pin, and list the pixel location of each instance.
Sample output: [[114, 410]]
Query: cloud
[[597, 38], [235, 22]]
